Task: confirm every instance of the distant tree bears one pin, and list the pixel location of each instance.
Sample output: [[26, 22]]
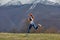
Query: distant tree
[[25, 26], [51, 30], [14, 30]]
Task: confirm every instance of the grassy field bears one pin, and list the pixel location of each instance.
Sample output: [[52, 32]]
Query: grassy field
[[24, 36]]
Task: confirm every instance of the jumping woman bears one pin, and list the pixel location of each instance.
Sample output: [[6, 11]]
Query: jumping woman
[[31, 23]]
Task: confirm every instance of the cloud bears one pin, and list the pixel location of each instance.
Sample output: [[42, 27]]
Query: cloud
[[58, 1], [4, 1]]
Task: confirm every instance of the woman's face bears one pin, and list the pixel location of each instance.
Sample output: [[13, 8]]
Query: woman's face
[[30, 14]]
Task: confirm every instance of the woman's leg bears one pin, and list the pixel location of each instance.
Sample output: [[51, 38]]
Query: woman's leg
[[36, 27], [30, 26]]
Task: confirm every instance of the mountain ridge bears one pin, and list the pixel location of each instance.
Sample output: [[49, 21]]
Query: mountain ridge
[[17, 2]]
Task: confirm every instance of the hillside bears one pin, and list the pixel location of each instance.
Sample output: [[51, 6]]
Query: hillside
[[13, 17]]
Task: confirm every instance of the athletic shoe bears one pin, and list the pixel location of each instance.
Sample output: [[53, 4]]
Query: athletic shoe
[[39, 25]]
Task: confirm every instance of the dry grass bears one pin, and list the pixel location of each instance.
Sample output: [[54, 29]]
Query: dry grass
[[24, 36]]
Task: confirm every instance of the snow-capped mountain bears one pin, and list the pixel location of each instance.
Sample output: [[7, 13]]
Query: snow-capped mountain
[[15, 2], [12, 2], [19, 2], [47, 2], [50, 3]]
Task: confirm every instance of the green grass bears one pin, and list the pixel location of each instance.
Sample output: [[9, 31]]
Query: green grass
[[24, 36]]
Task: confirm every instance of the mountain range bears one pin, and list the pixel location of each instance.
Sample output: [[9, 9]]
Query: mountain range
[[13, 17], [18, 2]]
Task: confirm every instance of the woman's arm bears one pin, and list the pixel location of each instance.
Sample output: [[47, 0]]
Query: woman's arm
[[32, 16]]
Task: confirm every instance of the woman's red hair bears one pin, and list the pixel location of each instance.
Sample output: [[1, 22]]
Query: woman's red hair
[[31, 15]]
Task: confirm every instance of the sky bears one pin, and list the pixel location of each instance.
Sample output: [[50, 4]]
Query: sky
[[24, 1], [55, 0]]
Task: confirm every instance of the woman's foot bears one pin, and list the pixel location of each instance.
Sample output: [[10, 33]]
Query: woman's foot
[[39, 25]]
